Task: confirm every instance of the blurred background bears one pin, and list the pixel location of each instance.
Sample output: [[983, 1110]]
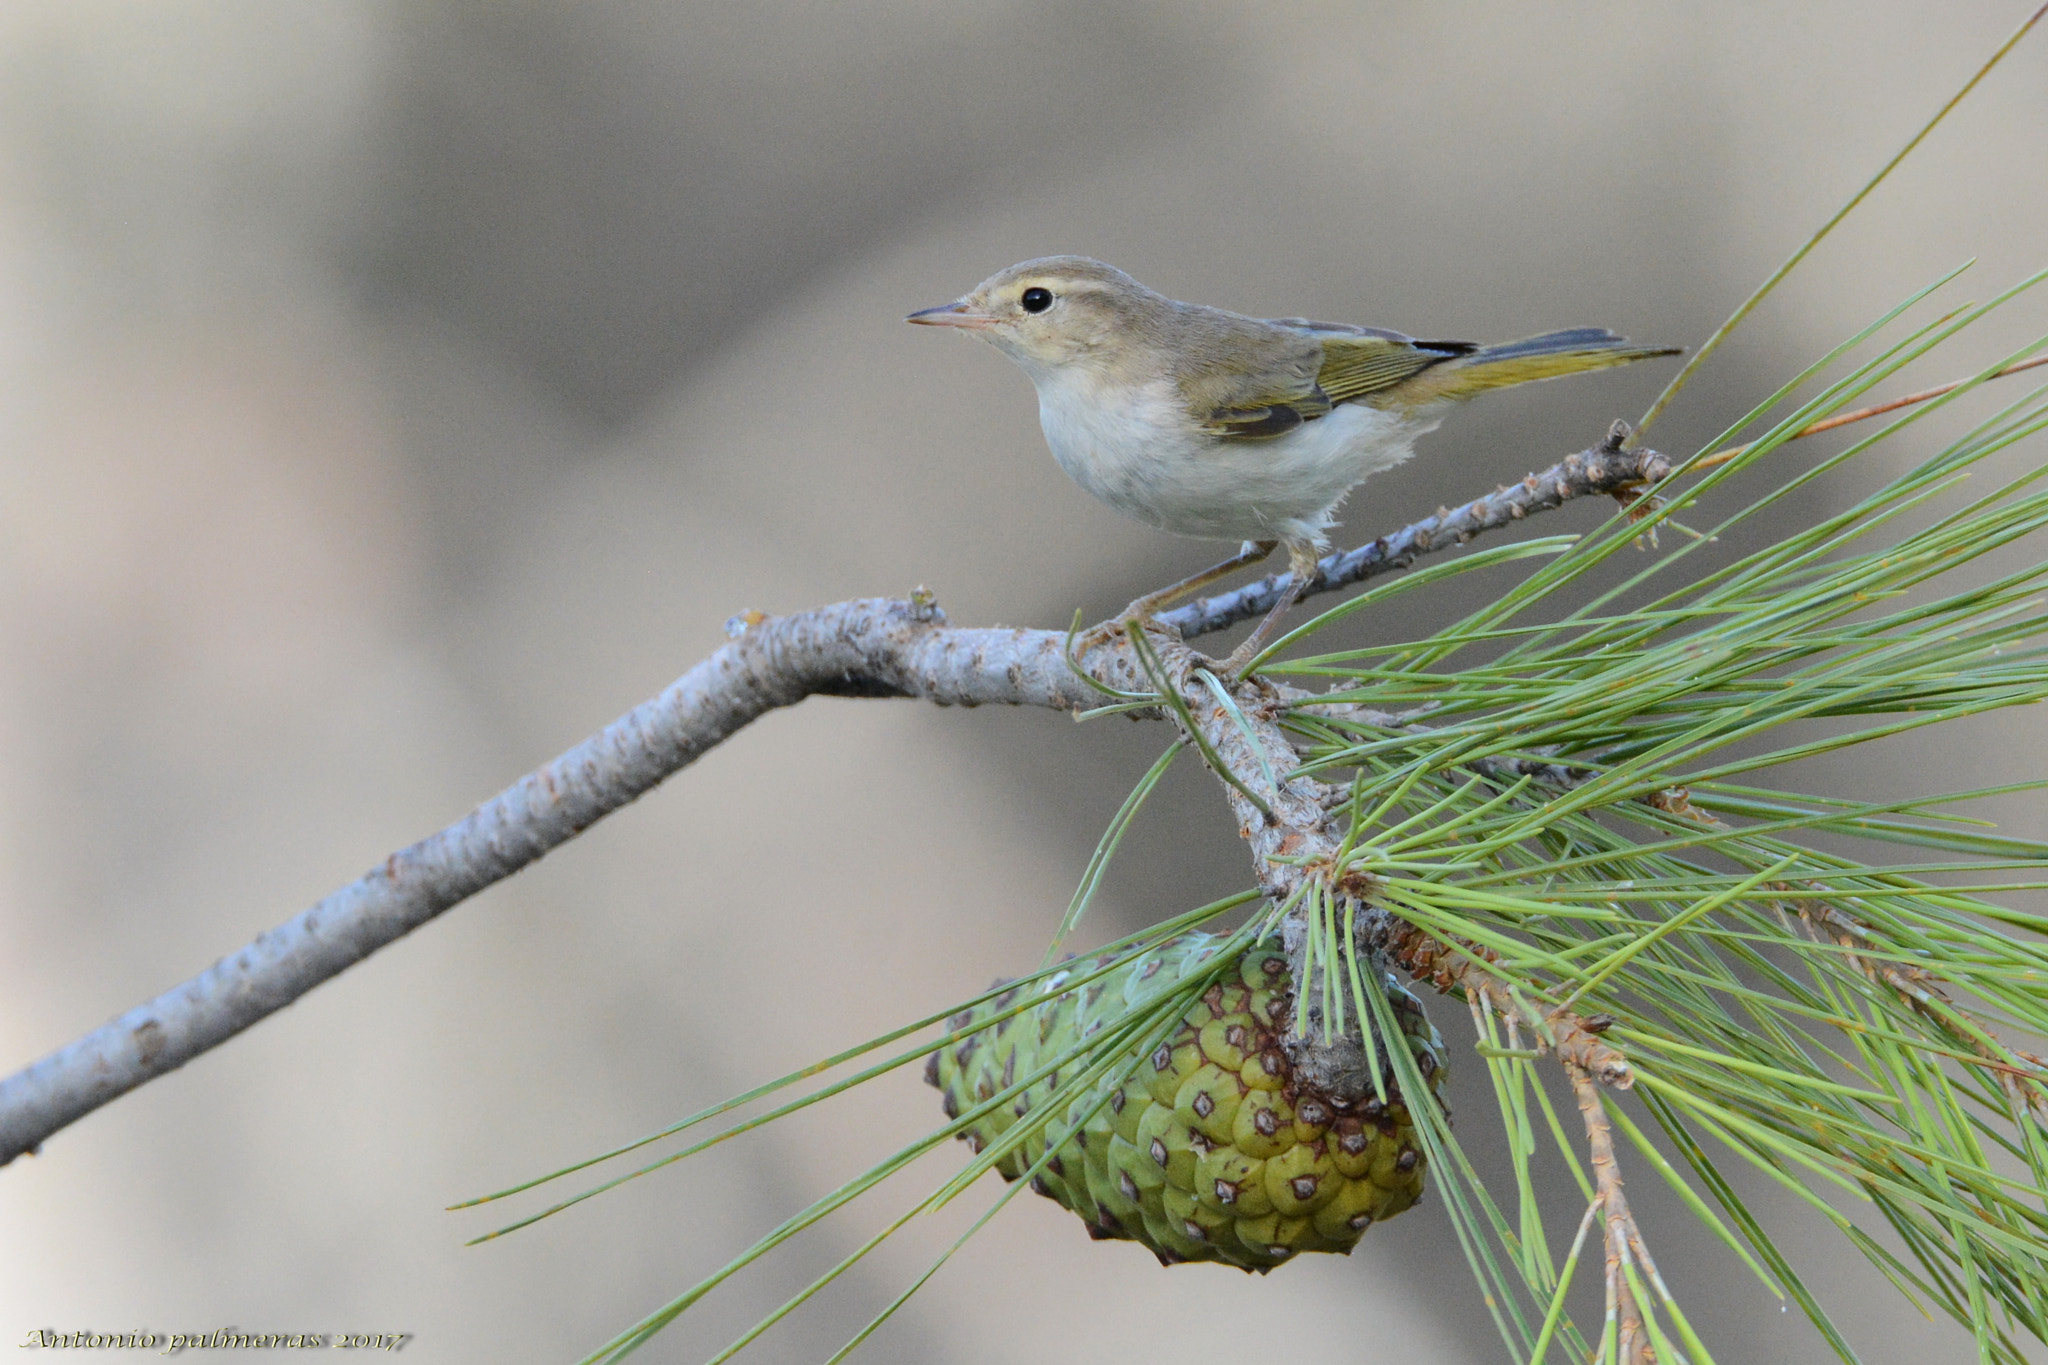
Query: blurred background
[[391, 394]]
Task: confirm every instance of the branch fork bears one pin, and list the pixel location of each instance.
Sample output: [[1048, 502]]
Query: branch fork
[[870, 648]]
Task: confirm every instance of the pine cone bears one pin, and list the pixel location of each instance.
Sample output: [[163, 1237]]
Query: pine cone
[[1211, 1149]]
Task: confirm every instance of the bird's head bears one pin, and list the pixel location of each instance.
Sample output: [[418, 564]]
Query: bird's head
[[1057, 311]]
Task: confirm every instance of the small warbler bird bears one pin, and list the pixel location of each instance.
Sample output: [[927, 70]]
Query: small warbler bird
[[1209, 423]]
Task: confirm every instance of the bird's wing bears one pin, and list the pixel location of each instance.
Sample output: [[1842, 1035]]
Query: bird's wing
[[1248, 380], [1361, 362], [1317, 366]]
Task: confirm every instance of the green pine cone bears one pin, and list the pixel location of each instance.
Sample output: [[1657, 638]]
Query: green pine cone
[[1211, 1149]]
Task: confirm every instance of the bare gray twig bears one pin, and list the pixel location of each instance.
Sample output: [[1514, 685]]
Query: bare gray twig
[[872, 648], [1606, 468]]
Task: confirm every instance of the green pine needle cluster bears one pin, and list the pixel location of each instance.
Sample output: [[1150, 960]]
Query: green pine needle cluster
[[1577, 795]]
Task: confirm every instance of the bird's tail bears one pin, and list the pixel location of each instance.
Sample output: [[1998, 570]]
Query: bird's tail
[[1522, 362]]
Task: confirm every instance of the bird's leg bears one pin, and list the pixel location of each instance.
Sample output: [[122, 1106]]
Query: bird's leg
[[1301, 564], [1152, 603]]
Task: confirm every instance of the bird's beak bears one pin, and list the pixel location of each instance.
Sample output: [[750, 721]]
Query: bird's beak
[[955, 314]]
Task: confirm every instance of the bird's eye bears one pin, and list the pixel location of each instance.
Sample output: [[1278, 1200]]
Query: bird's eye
[[1036, 299]]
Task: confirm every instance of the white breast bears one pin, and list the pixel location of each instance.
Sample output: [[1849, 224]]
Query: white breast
[[1135, 448]]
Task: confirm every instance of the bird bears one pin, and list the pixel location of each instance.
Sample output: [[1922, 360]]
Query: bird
[[1209, 423]]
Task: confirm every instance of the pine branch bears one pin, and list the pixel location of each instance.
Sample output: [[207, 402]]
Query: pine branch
[[1575, 1038], [861, 648], [1624, 1240], [2022, 1075]]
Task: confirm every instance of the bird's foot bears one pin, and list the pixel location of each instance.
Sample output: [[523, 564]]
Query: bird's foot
[[1139, 616], [1229, 669]]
